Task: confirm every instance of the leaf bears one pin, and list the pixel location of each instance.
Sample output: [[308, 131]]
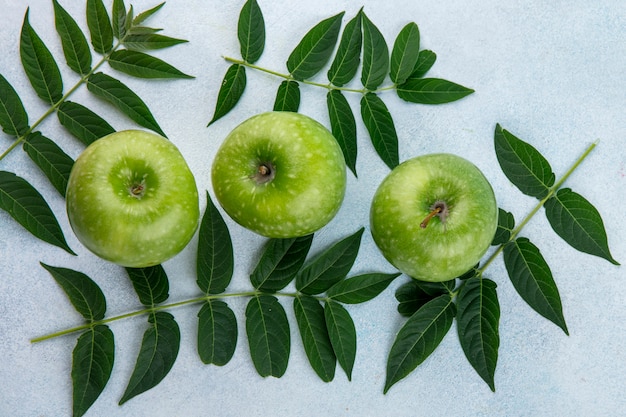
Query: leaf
[[251, 31], [143, 41], [139, 64], [578, 222], [288, 96], [360, 288], [522, 164], [315, 48], [381, 128], [431, 91], [343, 126], [125, 100], [268, 334], [419, 337], [13, 117], [342, 335], [150, 284], [506, 223], [404, 54], [39, 64], [143, 16], [375, 56], [99, 26], [118, 19], [81, 122], [217, 333], [215, 261], [83, 292], [330, 266], [28, 208], [232, 88], [280, 262], [531, 277], [425, 61], [92, 363], [75, 46], [159, 349], [478, 316], [414, 294], [51, 159], [315, 338], [348, 56]]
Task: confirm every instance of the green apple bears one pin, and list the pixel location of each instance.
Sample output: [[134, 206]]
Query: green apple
[[132, 200], [434, 216], [280, 174]]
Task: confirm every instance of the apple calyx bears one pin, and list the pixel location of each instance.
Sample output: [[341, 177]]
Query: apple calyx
[[264, 173], [439, 209], [137, 188]]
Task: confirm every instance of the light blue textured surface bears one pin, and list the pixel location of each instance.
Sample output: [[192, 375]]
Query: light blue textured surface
[[550, 72]]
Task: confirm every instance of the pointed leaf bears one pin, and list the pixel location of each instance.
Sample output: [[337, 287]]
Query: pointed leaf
[[343, 126], [118, 19], [83, 292], [532, 278], [99, 26], [143, 16], [287, 96], [315, 338], [419, 337], [81, 122], [431, 91], [125, 100], [280, 262], [506, 224], [215, 262], [315, 48], [478, 317], [232, 88], [522, 164], [92, 363], [251, 31], [381, 128], [348, 56], [139, 64], [41, 69], [330, 266], [13, 117], [405, 53], [51, 159], [24, 203], [375, 56], [342, 335], [269, 339], [425, 61], [414, 294], [150, 284], [360, 288], [217, 333], [150, 40], [75, 46], [159, 349]]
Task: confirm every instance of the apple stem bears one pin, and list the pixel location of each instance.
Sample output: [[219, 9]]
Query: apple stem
[[265, 173], [432, 214]]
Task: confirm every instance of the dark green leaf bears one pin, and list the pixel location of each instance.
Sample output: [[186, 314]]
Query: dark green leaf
[[348, 56], [24, 203], [506, 223], [92, 363], [41, 69], [478, 317], [139, 64], [431, 91], [269, 339], [288, 96], [215, 262], [522, 164], [251, 31], [99, 26], [405, 53], [343, 126], [578, 222], [81, 122], [342, 335], [414, 294], [141, 17], [51, 159], [419, 337], [532, 278], [330, 266], [425, 61], [381, 128], [143, 30], [217, 333], [232, 88], [315, 48], [151, 284], [375, 56], [118, 19], [83, 292], [75, 46], [280, 262], [360, 288], [159, 349], [142, 41], [124, 99], [13, 117]]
